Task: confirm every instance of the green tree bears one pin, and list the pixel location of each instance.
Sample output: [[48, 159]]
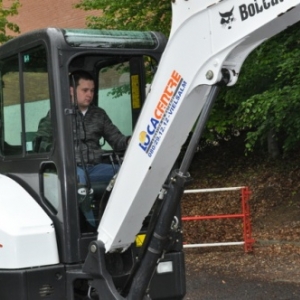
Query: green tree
[[4, 23], [266, 99], [129, 15]]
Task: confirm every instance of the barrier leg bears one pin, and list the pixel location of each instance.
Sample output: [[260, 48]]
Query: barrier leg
[[246, 220]]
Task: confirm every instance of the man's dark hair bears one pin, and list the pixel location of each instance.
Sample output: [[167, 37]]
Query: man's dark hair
[[79, 74]]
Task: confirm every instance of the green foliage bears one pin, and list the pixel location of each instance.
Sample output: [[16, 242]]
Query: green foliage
[[4, 23], [266, 96], [129, 15]]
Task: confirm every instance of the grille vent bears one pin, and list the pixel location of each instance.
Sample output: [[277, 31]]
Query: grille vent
[[46, 290]]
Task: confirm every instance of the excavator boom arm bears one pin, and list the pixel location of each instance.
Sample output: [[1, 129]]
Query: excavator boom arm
[[206, 37]]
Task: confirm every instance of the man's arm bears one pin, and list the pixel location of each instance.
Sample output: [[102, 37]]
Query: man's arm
[[113, 135]]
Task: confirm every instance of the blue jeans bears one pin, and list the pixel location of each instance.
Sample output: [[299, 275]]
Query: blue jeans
[[97, 173]]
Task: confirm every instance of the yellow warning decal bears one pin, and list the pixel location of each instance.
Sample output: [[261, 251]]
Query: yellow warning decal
[[135, 92], [139, 240]]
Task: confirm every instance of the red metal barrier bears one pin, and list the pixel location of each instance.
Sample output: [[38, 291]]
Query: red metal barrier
[[245, 216]]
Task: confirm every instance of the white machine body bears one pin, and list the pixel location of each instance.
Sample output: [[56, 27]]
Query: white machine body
[[27, 235], [206, 37]]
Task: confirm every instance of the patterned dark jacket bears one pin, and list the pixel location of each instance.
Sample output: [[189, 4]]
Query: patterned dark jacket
[[92, 126]]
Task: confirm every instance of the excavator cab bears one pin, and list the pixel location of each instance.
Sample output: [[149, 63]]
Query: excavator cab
[[40, 159]]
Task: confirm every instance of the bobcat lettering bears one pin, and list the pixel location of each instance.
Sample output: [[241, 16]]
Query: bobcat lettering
[[255, 8]]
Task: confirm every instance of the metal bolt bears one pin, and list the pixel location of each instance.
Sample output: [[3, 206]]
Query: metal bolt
[[93, 248], [209, 75]]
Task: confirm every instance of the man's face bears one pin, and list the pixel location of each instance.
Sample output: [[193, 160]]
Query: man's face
[[85, 93]]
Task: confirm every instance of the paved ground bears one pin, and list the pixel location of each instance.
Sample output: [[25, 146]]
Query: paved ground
[[206, 286], [233, 275]]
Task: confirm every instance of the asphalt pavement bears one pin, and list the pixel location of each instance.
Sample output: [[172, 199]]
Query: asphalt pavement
[[206, 286]]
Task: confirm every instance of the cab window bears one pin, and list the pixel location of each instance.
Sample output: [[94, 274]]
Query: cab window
[[123, 87], [114, 96], [24, 91]]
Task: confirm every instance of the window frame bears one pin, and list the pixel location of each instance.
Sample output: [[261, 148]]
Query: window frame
[[22, 102]]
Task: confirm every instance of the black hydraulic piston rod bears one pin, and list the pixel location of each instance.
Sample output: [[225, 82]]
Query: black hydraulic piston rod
[[194, 142]]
